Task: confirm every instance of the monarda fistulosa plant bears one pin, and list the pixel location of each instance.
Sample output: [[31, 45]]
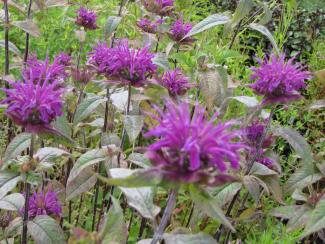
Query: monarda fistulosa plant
[[121, 142]]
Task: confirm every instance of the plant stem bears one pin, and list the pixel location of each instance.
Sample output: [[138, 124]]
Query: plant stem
[[167, 214], [27, 193], [27, 34], [79, 209], [95, 201], [235, 34], [248, 169], [5, 3], [142, 227]]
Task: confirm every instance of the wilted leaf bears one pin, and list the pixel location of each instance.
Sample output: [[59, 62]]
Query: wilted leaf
[[44, 229], [200, 238], [111, 24], [133, 126], [28, 26], [114, 229], [17, 146], [87, 107], [263, 30], [207, 23], [12, 202]]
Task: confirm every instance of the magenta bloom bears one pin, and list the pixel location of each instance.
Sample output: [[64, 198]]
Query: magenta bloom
[[33, 105], [193, 149], [123, 64], [86, 18], [278, 81], [176, 83], [160, 7], [40, 71], [44, 203], [179, 30], [148, 26]]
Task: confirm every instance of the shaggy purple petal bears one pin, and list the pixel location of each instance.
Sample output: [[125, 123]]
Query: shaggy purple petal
[[123, 64], [86, 18], [192, 149], [179, 30], [278, 81], [63, 59], [148, 26], [175, 82]]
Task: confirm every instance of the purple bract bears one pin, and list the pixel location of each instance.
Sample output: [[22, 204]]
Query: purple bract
[[175, 82], [160, 7], [278, 81], [123, 64], [192, 148], [147, 26], [86, 18]]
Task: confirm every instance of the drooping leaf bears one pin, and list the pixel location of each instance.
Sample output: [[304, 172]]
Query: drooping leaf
[[243, 9], [248, 101], [111, 24], [12, 202], [207, 23], [199, 238], [12, 47], [133, 126], [87, 107], [8, 182], [17, 145], [273, 183], [89, 158], [252, 186], [44, 229], [260, 169], [28, 26], [114, 229], [85, 180], [140, 198], [227, 193], [209, 206], [263, 30]]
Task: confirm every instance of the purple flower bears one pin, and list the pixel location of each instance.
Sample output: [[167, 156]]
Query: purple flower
[[179, 30], [160, 7], [86, 18], [40, 71], [175, 82], [192, 148], [278, 81], [44, 203], [147, 26], [33, 105], [123, 64]]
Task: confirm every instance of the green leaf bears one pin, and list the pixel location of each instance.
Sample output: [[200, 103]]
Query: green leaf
[[12, 202], [264, 31], [243, 9], [161, 60], [252, 186], [207, 23], [8, 182], [87, 107], [46, 154], [260, 169], [297, 141], [17, 146], [227, 193], [89, 158], [85, 180], [111, 24], [114, 229], [250, 102], [15, 227], [133, 126], [140, 198], [317, 219], [139, 160], [28, 26], [44, 229], [200, 238], [209, 206], [12, 47]]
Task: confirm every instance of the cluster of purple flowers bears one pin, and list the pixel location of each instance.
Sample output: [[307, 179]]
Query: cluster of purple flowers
[[179, 30], [44, 203], [278, 81], [160, 7], [192, 149], [149, 26], [123, 64], [86, 18], [176, 83]]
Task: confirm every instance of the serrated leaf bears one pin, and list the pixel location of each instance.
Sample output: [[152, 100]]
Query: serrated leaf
[[200, 238], [44, 229], [85, 180], [317, 219], [263, 30], [12, 202], [140, 198], [209, 206], [17, 146], [28, 26], [114, 229], [12, 47], [89, 158], [87, 107], [50, 153], [133, 126], [8, 182], [111, 24], [207, 23]]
